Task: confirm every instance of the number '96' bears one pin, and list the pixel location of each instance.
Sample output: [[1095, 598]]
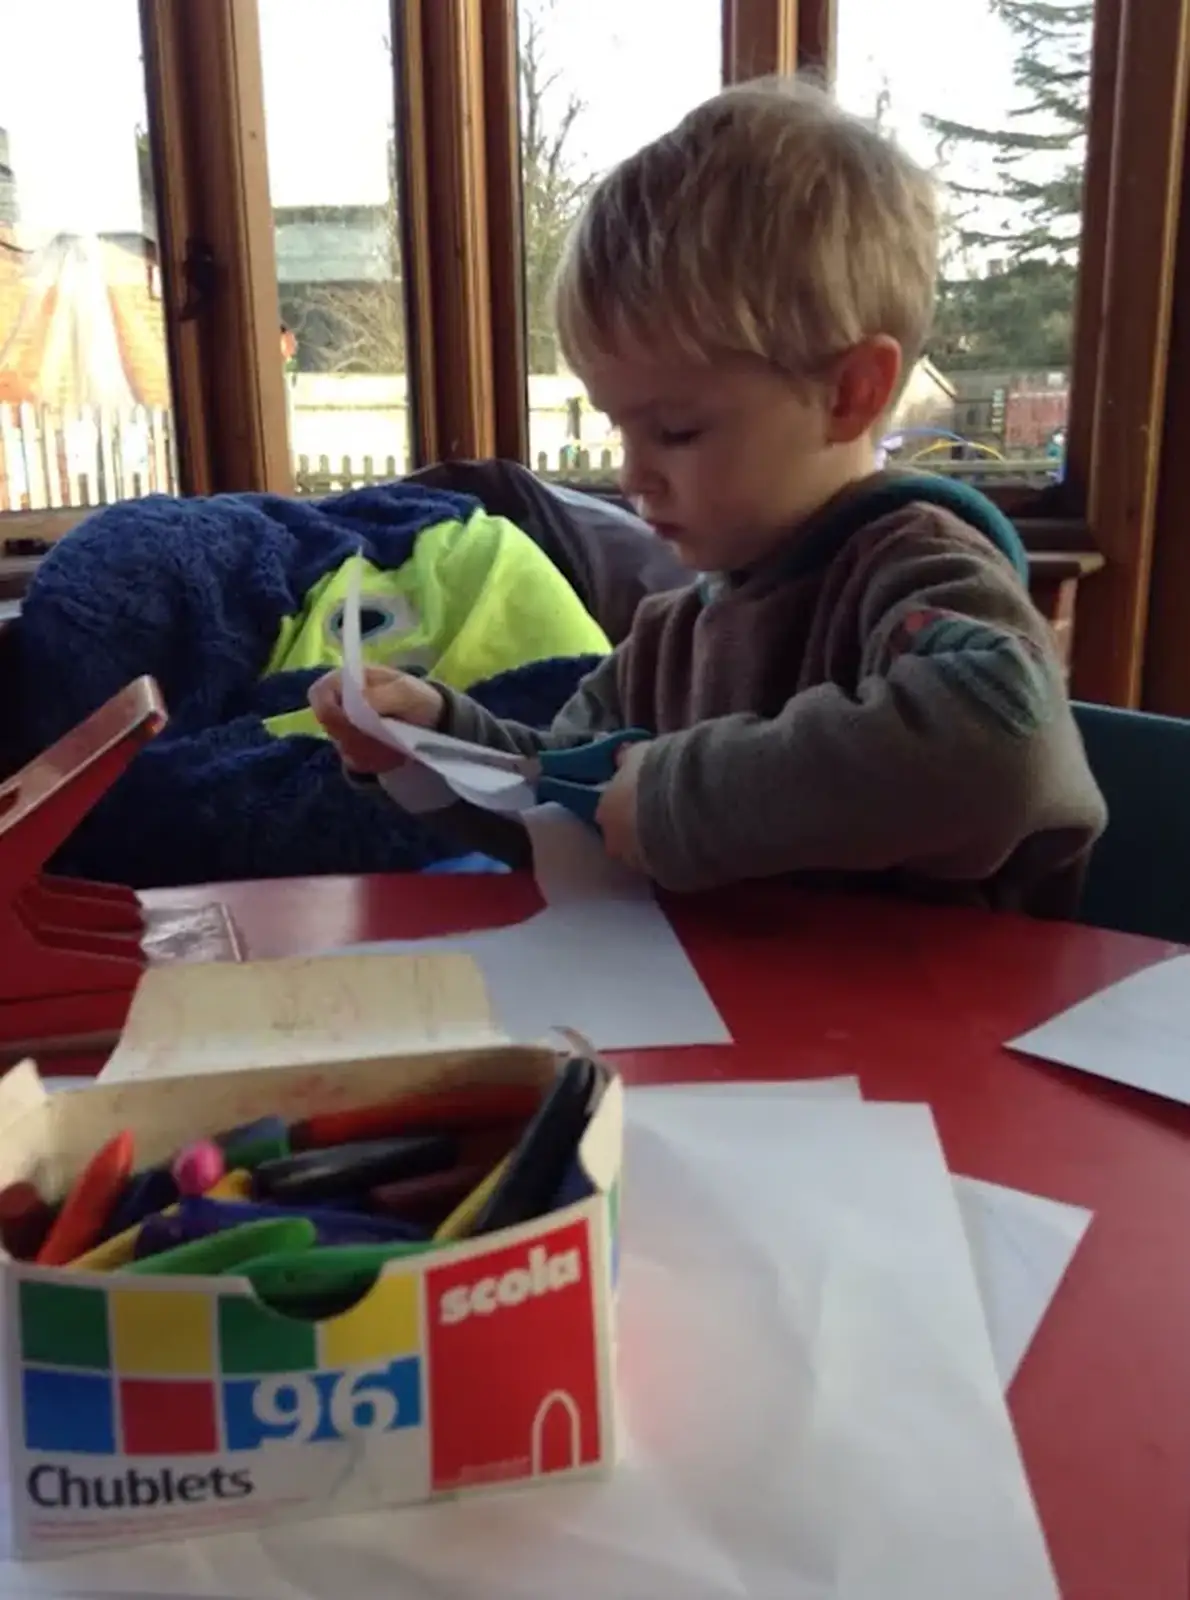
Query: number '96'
[[305, 1407]]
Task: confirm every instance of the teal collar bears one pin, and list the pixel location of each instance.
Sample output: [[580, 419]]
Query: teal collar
[[825, 534]]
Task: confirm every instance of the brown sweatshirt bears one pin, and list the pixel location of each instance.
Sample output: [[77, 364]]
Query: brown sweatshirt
[[886, 708]]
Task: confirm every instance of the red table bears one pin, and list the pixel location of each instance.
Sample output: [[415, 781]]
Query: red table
[[917, 1002]]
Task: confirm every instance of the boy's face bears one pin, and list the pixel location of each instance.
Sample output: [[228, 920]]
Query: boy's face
[[723, 460]]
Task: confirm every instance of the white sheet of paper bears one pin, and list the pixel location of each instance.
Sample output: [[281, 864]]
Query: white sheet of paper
[[601, 957], [1021, 1244], [1135, 1032], [810, 1399]]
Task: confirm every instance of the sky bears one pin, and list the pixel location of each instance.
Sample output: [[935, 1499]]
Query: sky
[[636, 64]]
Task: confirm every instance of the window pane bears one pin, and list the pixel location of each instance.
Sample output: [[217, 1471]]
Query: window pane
[[333, 177], [596, 83], [993, 96], [84, 375]]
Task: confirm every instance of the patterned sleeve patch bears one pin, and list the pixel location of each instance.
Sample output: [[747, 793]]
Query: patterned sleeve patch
[[1001, 674]]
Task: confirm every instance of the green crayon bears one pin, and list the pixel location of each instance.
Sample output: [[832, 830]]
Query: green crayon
[[331, 1275], [225, 1252]]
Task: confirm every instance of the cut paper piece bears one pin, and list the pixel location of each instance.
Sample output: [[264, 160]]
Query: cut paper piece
[[1021, 1244], [1136, 1032], [808, 1390], [601, 957]]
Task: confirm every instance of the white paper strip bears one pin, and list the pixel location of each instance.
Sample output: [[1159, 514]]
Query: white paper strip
[[440, 769]]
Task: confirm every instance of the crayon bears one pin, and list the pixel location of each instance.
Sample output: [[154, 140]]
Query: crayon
[[221, 1252], [162, 1231], [297, 1281], [434, 1195], [120, 1249], [349, 1169], [199, 1217], [538, 1165], [88, 1204], [25, 1220], [145, 1192], [435, 1111], [266, 1139], [198, 1166], [458, 1223]]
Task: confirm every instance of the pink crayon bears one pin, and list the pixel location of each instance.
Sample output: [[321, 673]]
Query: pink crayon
[[198, 1167]]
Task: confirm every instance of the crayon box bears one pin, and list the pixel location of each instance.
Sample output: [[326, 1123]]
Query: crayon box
[[140, 1408]]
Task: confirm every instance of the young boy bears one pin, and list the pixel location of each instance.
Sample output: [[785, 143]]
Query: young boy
[[854, 688]]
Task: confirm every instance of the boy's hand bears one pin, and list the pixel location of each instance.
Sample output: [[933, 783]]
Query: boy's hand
[[392, 694], [617, 810]]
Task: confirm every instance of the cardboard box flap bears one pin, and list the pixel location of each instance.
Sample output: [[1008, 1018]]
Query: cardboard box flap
[[191, 1019], [21, 1093]]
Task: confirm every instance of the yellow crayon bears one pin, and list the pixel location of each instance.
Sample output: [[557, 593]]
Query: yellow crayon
[[118, 1251], [458, 1224]]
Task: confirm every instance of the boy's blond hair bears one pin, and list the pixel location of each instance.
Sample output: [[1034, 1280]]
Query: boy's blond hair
[[769, 222]]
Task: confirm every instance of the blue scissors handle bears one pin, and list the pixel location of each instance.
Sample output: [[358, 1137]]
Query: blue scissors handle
[[576, 778]]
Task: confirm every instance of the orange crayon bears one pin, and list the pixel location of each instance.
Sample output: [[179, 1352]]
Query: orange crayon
[[89, 1203]]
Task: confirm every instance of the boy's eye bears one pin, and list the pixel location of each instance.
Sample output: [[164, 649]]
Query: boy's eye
[[678, 436]]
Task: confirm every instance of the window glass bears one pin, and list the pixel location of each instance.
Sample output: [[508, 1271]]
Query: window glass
[[596, 83], [332, 158], [991, 95], [84, 375]]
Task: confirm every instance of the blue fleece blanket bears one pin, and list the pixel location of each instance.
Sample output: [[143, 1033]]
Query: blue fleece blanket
[[193, 592]]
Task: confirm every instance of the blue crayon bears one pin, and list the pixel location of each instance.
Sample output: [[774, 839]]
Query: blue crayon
[[146, 1192], [158, 1233], [200, 1216]]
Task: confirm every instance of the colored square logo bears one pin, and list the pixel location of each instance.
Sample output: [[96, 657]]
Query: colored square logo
[[168, 1333], [383, 1324], [71, 1413], [514, 1362], [253, 1339], [161, 1418], [64, 1326]]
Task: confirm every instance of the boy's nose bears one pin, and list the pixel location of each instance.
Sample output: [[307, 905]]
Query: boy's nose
[[639, 479]]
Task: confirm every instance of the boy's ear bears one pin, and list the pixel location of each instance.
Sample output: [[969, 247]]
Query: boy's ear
[[865, 381]]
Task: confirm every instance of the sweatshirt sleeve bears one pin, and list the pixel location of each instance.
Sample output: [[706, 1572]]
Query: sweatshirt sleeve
[[593, 709], [956, 745]]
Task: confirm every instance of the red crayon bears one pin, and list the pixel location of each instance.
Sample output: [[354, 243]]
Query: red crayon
[[89, 1204], [430, 1198], [24, 1220], [476, 1107]]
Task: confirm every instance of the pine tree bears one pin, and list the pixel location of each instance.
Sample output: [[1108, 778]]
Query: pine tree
[[1038, 159]]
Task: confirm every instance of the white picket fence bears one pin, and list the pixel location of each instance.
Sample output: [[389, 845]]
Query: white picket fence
[[88, 456]]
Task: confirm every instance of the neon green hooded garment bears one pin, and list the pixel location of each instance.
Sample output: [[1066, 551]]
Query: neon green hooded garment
[[473, 600]]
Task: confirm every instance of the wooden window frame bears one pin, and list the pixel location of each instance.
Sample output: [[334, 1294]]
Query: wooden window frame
[[442, 135], [205, 91], [1166, 688]]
